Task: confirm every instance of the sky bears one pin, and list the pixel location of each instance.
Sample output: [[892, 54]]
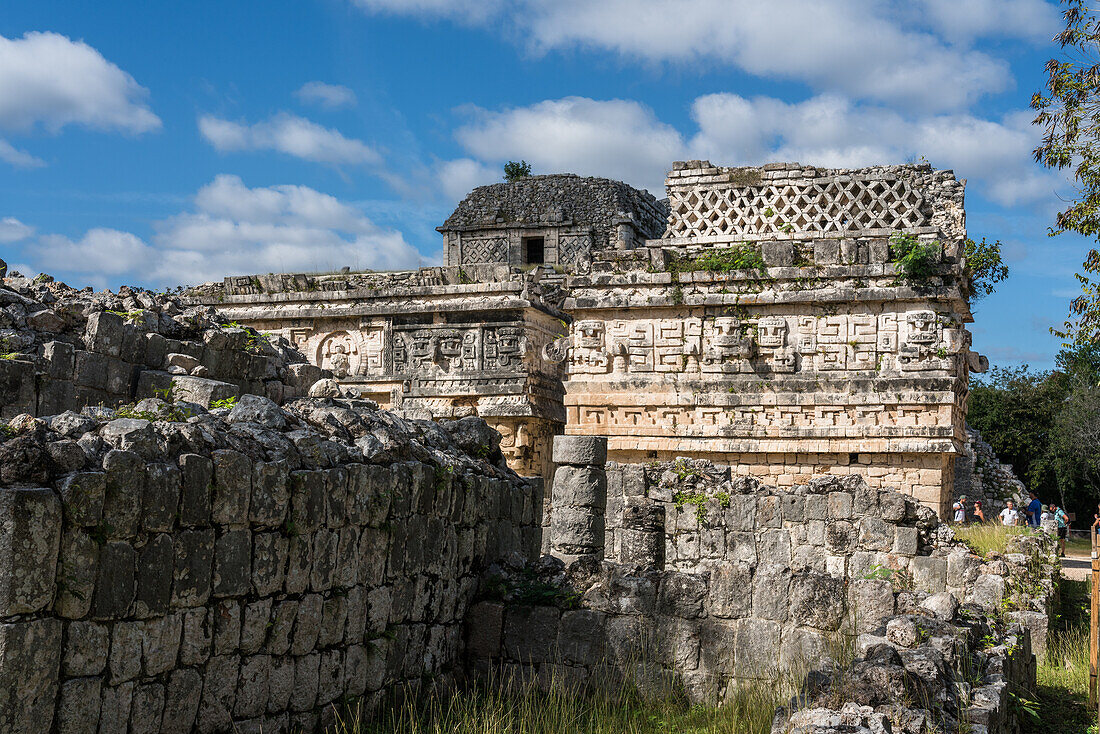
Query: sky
[[160, 144]]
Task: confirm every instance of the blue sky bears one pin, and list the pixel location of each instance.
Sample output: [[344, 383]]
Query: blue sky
[[166, 143]]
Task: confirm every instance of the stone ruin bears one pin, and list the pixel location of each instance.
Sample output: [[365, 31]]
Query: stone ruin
[[756, 319], [208, 528]]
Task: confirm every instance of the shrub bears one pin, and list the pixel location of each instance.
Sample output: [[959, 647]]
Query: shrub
[[916, 260], [515, 170]]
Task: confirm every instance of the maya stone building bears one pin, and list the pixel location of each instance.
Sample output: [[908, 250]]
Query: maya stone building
[[758, 319]]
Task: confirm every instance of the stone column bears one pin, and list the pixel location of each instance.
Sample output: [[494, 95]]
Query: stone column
[[642, 537], [578, 498]]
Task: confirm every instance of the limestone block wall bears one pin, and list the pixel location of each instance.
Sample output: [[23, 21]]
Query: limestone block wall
[[717, 580], [242, 570]]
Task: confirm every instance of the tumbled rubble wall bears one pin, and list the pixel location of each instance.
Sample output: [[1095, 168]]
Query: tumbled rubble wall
[[980, 475], [238, 571], [705, 581], [66, 349]]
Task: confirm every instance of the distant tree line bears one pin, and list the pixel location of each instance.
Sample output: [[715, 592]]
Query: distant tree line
[[1047, 425]]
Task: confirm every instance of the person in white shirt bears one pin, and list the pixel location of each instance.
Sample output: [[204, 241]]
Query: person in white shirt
[[1010, 515], [960, 510]]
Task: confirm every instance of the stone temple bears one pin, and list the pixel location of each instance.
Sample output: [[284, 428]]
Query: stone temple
[[681, 446], [755, 318]]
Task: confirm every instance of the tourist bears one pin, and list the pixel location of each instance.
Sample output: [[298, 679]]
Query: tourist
[[979, 513], [960, 510], [1062, 519], [1034, 509], [1010, 515]]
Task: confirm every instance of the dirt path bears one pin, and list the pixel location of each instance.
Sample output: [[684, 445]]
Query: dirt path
[[1076, 568]]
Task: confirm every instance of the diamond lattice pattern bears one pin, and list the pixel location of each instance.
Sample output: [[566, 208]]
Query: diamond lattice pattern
[[833, 206], [485, 250]]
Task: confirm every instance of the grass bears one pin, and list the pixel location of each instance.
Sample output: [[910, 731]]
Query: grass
[[989, 537], [1063, 674], [526, 708]]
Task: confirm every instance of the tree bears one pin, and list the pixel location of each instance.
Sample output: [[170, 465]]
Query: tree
[[1069, 112], [984, 268], [515, 170]]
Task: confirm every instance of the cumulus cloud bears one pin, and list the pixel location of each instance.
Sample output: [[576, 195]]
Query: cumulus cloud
[[458, 177], [624, 139], [616, 138], [12, 230], [236, 229], [232, 230], [331, 96], [18, 158], [1033, 20], [49, 80], [288, 134], [874, 49]]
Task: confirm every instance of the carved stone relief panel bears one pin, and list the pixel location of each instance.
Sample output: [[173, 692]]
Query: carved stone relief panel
[[590, 354], [678, 345], [771, 332], [725, 346], [631, 345], [436, 349], [339, 352], [504, 347]]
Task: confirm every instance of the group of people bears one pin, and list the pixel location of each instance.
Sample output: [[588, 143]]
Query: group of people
[[1034, 515]]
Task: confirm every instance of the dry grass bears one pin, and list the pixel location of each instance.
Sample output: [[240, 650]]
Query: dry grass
[[507, 707], [989, 537]]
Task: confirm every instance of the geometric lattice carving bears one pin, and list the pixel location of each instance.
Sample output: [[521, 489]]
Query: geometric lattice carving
[[573, 249], [485, 250], [822, 205]]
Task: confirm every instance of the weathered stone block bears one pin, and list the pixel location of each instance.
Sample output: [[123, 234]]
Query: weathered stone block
[[757, 648], [840, 505], [774, 548], [160, 643], [334, 614], [146, 709], [817, 600], [530, 633], [841, 537], [104, 333], [78, 706], [30, 537], [580, 486], [254, 626], [483, 629], [269, 558], [116, 582], [125, 485], [90, 370], [307, 500], [227, 626], [30, 657], [270, 494], [280, 683], [161, 498], [125, 660], [86, 646], [872, 603], [304, 695], [252, 687], [730, 591], [82, 496], [197, 489], [202, 390], [155, 566], [181, 701], [580, 450], [929, 574], [770, 592], [194, 562], [682, 595], [232, 563], [875, 534], [906, 541], [76, 573], [232, 487], [307, 625], [987, 591], [282, 624], [326, 545], [197, 636], [299, 563], [114, 712], [218, 694], [581, 637], [330, 676]]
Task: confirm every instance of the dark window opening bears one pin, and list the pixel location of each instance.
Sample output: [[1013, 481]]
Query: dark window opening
[[533, 247]]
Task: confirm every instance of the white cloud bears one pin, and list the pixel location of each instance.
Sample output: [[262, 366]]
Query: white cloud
[[458, 177], [236, 230], [623, 139], [1033, 20], [615, 138], [233, 230], [101, 252], [12, 230], [288, 134], [331, 96], [50, 80], [18, 158], [864, 49]]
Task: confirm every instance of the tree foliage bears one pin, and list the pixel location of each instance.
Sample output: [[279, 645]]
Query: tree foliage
[[515, 170], [1047, 426], [984, 267], [1069, 113]]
